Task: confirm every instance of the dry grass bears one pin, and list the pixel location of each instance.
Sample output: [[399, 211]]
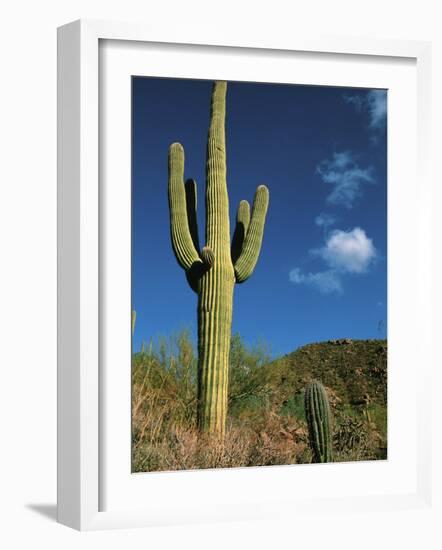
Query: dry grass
[[263, 428], [181, 448], [164, 416]]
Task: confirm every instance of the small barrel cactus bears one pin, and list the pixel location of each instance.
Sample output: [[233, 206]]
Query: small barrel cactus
[[318, 415]]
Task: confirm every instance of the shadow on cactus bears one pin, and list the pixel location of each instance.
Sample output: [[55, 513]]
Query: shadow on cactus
[[213, 271], [318, 416]]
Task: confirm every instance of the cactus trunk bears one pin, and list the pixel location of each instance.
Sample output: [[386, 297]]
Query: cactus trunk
[[214, 328], [317, 412], [213, 271]]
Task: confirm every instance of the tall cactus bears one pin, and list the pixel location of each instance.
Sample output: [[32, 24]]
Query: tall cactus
[[212, 271], [134, 318], [317, 412]]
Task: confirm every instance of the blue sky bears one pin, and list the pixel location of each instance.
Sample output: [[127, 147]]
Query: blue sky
[[322, 152]]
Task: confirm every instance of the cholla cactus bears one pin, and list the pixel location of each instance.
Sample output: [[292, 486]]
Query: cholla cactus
[[317, 412], [213, 271]]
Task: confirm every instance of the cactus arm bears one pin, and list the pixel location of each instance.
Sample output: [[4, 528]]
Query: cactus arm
[[198, 269], [207, 257], [191, 203], [245, 264], [182, 242], [242, 225]]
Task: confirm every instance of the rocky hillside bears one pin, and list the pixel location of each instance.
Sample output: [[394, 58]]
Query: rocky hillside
[[354, 370]]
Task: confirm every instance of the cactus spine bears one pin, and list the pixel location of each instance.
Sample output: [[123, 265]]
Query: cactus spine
[[212, 271], [317, 412]]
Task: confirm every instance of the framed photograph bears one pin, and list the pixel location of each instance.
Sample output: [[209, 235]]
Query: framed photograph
[[243, 279]]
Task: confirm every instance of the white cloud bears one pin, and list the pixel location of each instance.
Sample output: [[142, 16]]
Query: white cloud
[[344, 253], [325, 220], [348, 251], [345, 176], [374, 103], [327, 282]]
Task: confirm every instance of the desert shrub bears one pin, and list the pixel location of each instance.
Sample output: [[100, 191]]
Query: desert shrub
[[294, 406], [249, 390], [377, 414], [266, 422], [357, 439]]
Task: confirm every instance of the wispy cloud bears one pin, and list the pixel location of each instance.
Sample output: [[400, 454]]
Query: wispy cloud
[[356, 100], [344, 253], [376, 101], [327, 282], [374, 104], [325, 220], [345, 176]]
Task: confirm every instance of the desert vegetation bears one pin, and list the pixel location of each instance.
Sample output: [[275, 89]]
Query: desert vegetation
[[266, 420]]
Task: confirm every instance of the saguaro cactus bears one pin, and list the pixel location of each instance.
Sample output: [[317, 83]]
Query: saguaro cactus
[[134, 318], [317, 412], [212, 271]]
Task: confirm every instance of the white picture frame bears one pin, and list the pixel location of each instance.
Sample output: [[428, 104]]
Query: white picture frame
[[80, 269]]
